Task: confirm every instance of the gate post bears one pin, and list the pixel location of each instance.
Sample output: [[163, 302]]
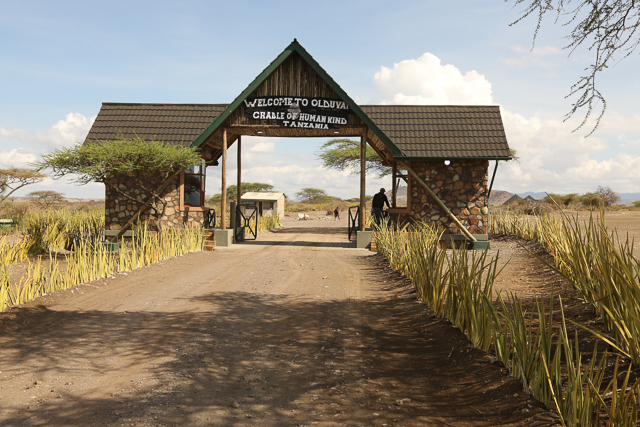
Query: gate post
[[363, 168], [232, 219]]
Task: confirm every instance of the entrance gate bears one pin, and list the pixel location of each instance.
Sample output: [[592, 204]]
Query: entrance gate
[[246, 223], [352, 224]]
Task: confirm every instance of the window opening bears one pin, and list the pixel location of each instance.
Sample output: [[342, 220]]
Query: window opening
[[194, 185], [400, 187]]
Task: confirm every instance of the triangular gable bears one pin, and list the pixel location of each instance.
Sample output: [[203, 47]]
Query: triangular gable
[[295, 47]]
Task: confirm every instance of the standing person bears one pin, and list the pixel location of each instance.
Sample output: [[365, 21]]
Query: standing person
[[336, 213], [377, 205]]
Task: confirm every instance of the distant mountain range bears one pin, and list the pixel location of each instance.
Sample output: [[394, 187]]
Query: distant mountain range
[[498, 197]]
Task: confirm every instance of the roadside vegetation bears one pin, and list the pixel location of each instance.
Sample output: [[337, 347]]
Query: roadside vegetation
[[61, 249], [540, 346]]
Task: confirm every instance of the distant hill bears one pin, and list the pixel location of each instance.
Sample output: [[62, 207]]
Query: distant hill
[[628, 198], [513, 199], [537, 196], [401, 195], [498, 197]]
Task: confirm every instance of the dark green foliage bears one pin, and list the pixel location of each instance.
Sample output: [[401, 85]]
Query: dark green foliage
[[344, 154], [99, 160], [566, 200], [312, 195], [590, 200]]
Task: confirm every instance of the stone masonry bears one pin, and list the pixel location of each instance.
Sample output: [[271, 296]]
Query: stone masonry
[[461, 185], [119, 209]]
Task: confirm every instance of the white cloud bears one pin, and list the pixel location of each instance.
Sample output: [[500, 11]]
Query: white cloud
[[552, 157], [262, 146], [426, 81], [13, 133], [72, 129], [18, 157], [615, 122], [24, 146], [555, 159]]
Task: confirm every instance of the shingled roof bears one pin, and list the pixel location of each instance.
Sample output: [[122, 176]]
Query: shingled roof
[[443, 131], [420, 132], [176, 124]]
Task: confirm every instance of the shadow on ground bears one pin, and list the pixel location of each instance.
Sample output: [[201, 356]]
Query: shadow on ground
[[252, 359]]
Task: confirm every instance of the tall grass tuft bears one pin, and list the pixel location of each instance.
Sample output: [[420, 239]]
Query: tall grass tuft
[[90, 260], [60, 229], [596, 263], [266, 223]]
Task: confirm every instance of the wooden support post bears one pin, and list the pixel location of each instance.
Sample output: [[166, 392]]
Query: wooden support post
[[223, 210], [363, 169], [394, 172], [239, 180]]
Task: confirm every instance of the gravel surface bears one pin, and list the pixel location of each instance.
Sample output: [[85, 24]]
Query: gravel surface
[[298, 328]]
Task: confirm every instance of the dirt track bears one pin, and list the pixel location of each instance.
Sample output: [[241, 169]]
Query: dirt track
[[298, 328]]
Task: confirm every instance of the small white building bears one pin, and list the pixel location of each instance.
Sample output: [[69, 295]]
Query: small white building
[[268, 204]]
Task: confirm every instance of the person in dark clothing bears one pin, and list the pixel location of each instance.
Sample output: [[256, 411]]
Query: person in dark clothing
[[379, 200]]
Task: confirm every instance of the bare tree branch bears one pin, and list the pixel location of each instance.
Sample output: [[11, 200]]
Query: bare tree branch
[[607, 28]]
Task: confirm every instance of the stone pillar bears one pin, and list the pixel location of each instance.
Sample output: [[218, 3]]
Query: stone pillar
[[462, 187]]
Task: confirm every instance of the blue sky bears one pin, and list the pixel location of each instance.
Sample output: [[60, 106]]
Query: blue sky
[[60, 60]]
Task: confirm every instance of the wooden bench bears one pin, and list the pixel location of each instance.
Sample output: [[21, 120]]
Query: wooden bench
[[6, 222]]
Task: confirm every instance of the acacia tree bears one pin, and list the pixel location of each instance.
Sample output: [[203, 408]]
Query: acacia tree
[[13, 179], [609, 29], [312, 195], [46, 198], [121, 158], [607, 196], [344, 154]]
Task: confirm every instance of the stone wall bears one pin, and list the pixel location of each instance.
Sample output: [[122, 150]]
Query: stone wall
[[462, 187], [119, 209]]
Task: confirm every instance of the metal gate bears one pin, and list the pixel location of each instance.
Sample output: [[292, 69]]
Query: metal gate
[[210, 218], [246, 223], [352, 223]]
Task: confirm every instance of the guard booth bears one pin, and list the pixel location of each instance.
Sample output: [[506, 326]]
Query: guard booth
[[440, 152], [267, 204]]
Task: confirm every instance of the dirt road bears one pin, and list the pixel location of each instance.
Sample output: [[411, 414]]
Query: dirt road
[[296, 329]]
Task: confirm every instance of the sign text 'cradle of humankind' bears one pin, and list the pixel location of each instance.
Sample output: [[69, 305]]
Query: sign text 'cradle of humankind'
[[298, 112]]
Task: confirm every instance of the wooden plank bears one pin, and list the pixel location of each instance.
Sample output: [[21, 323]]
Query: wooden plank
[[239, 181], [363, 168], [223, 208]]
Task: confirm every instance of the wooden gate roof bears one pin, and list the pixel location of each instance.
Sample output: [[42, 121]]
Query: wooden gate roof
[[401, 132], [421, 132]]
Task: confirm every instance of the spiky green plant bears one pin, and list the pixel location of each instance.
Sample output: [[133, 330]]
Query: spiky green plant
[[459, 287]]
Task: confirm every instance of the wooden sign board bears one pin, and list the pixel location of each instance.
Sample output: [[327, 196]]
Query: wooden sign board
[[297, 112]]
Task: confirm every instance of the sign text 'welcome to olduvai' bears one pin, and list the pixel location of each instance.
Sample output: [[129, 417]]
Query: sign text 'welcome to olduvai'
[[298, 112]]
